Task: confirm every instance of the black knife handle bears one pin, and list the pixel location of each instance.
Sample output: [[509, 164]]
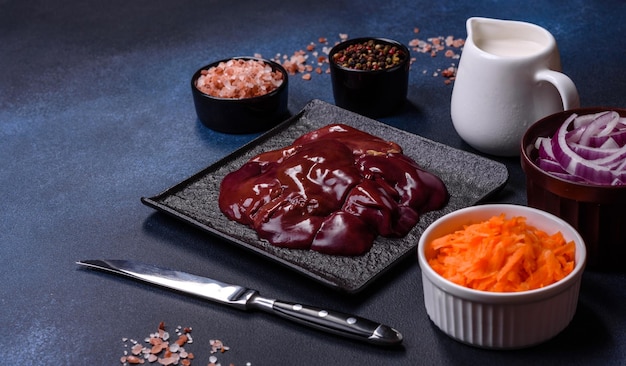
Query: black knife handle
[[338, 323]]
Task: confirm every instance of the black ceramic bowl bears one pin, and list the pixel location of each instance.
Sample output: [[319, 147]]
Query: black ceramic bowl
[[242, 115], [373, 93]]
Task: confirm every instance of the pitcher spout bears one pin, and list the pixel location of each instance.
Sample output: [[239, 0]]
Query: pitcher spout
[[480, 27], [509, 38], [469, 27]]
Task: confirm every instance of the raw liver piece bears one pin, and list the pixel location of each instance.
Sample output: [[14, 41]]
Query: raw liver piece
[[333, 190]]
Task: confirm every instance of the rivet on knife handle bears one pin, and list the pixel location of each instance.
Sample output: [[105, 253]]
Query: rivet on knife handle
[[331, 321]]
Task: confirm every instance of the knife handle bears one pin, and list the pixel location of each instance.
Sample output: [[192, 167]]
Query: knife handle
[[338, 323]]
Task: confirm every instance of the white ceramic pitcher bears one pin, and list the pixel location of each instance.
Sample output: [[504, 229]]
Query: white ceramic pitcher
[[508, 78]]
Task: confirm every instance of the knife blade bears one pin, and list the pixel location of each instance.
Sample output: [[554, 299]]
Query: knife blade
[[243, 298]]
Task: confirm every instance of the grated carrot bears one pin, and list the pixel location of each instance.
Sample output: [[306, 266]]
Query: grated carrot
[[502, 255]]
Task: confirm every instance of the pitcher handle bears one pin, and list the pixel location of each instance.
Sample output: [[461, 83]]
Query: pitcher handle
[[565, 86]]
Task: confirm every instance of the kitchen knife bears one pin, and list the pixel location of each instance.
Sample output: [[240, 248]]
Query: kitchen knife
[[247, 299]]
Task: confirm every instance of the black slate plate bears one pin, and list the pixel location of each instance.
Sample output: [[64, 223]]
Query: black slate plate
[[468, 177]]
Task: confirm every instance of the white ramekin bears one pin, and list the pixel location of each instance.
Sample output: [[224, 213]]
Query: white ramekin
[[500, 320]]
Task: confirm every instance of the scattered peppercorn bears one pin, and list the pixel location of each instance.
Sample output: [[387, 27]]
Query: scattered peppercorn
[[299, 61]]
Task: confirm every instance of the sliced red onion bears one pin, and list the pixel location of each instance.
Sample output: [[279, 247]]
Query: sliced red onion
[[618, 136], [551, 166], [589, 148], [545, 148], [593, 153], [599, 126], [583, 121]]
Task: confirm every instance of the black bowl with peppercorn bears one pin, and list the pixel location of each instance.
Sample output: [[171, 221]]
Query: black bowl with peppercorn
[[370, 76]]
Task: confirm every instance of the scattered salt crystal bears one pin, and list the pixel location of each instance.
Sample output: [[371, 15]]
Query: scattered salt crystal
[[134, 360], [166, 361], [136, 349]]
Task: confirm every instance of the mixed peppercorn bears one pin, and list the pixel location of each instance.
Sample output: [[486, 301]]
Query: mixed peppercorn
[[370, 56]]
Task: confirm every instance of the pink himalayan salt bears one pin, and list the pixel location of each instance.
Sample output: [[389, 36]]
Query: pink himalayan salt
[[238, 79]]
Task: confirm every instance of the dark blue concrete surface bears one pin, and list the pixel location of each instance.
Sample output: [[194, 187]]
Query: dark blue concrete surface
[[96, 112]]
